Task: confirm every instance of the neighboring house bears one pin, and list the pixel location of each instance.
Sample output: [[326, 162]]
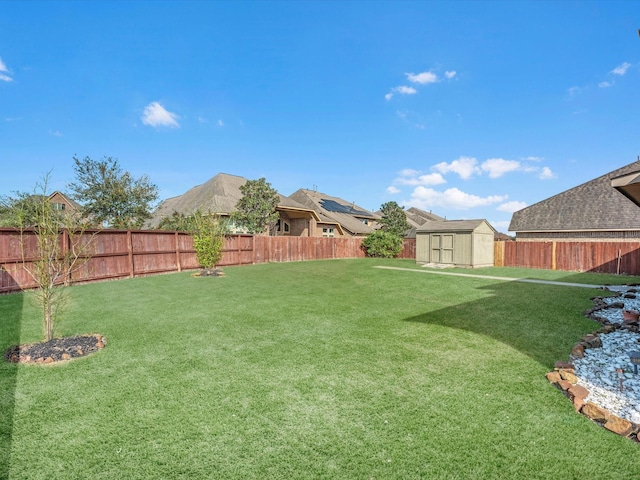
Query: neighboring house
[[220, 195], [629, 185], [61, 202], [592, 211], [337, 216], [418, 218]]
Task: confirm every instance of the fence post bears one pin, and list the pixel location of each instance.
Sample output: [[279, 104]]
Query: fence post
[[177, 238], [130, 249]]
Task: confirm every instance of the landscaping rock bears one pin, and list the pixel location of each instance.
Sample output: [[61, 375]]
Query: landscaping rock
[[619, 425], [594, 412], [578, 351]]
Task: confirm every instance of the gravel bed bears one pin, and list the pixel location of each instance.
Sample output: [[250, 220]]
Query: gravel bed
[[607, 372]]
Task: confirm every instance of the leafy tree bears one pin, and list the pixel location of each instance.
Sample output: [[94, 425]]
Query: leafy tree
[[177, 221], [394, 219], [48, 260], [111, 197], [382, 244], [256, 210], [19, 210]]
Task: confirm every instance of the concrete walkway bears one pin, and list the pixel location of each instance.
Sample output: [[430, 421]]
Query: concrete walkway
[[489, 277]]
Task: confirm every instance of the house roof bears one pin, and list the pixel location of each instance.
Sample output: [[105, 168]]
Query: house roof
[[336, 211], [219, 194], [594, 205], [70, 201], [454, 225], [629, 186], [417, 217]]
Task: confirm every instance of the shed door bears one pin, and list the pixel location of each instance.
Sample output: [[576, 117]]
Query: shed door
[[442, 247]]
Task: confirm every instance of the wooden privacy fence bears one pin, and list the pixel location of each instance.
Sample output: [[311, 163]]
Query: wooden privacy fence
[[601, 257], [126, 253]]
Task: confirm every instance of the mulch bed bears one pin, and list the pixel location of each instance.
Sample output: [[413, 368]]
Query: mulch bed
[[56, 350]]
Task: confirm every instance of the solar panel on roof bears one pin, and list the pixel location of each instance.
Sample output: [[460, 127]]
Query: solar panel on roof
[[333, 206]]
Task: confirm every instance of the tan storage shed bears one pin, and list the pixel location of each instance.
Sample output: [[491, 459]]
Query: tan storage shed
[[460, 243]]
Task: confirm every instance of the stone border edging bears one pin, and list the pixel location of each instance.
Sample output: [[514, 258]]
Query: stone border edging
[[563, 376]]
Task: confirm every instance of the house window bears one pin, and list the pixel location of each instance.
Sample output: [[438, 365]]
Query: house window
[[282, 226], [327, 232], [364, 220], [58, 206]]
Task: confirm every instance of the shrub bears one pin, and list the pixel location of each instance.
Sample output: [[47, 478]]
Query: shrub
[[382, 244], [208, 239]]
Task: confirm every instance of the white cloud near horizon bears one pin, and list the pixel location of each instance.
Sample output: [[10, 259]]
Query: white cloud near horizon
[[423, 78], [393, 190], [155, 115], [511, 207], [4, 72], [621, 69], [427, 198]]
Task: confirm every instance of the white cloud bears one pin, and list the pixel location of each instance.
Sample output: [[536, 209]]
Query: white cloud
[[416, 179], [465, 167], [401, 90], [621, 69], [534, 159], [155, 115], [408, 172], [4, 71], [393, 190], [426, 198], [450, 74], [220, 123], [546, 174], [423, 78], [605, 84], [511, 207], [496, 167]]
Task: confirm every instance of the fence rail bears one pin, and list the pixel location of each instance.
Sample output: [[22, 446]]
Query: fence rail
[[133, 253], [125, 253], [601, 257]]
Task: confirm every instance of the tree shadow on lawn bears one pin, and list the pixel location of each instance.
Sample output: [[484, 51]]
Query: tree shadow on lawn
[[10, 318], [541, 321]]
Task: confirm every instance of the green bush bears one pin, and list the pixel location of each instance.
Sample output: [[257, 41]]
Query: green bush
[[208, 239], [382, 244]]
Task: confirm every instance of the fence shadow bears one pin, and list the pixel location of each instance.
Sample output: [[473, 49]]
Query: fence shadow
[[10, 318], [513, 314]]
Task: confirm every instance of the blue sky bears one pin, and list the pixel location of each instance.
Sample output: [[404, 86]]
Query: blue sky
[[468, 109]]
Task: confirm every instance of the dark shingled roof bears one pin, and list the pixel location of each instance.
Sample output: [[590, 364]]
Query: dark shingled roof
[[349, 221], [594, 205]]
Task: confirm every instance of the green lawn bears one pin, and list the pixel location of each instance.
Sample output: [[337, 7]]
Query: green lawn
[[330, 369]]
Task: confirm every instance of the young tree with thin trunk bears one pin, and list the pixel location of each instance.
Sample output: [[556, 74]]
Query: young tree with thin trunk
[[53, 244]]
